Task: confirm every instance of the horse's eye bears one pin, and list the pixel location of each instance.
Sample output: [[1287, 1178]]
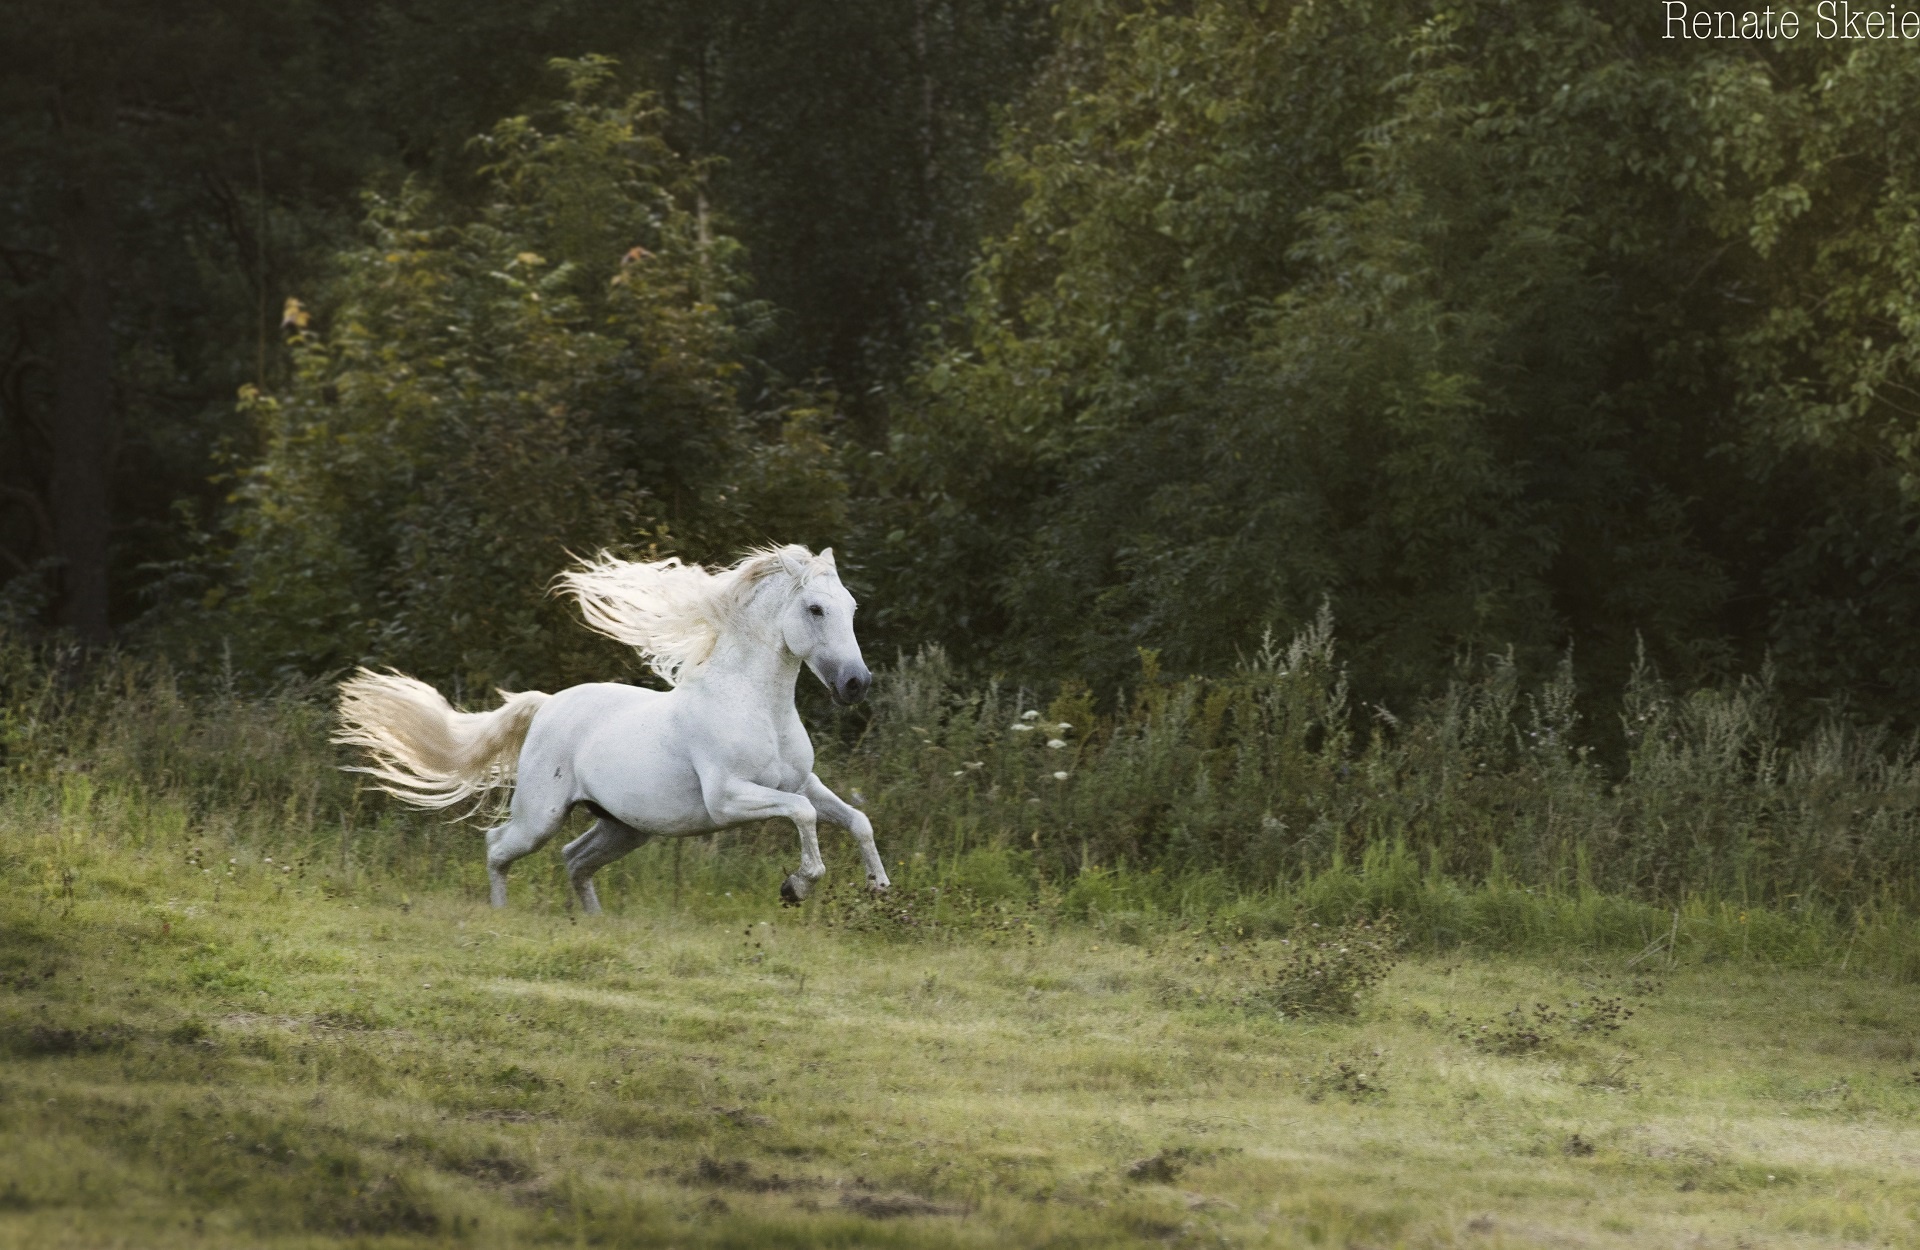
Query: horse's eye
[[816, 609]]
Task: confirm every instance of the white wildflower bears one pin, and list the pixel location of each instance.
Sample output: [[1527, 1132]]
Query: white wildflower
[[1060, 776], [1017, 727], [1056, 743], [1029, 716]]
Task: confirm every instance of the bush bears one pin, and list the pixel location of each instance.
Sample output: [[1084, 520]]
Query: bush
[[1190, 793], [479, 394], [1325, 972], [1524, 1031]]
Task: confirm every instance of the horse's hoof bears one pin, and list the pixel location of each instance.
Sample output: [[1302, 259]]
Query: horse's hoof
[[789, 897]]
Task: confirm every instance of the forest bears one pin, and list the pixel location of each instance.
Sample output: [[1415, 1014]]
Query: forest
[[328, 329]]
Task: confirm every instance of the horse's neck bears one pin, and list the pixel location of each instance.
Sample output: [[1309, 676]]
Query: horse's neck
[[749, 668]]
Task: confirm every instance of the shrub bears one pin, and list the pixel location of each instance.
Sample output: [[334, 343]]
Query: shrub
[[1326, 973], [482, 392], [1525, 1031]]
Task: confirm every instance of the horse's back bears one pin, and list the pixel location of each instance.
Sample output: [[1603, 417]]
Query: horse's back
[[602, 697], [570, 720]]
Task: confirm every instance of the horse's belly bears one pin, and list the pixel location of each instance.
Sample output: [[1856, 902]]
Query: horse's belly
[[653, 800], [630, 767]]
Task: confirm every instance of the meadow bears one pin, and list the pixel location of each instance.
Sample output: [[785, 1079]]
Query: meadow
[[242, 1003]]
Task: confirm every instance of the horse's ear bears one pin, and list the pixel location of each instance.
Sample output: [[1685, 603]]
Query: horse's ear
[[792, 563], [826, 557]]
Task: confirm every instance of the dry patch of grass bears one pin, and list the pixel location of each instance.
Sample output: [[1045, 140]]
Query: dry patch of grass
[[193, 1058]]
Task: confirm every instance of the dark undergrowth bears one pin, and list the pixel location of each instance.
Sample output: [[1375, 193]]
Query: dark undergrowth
[[1251, 804]]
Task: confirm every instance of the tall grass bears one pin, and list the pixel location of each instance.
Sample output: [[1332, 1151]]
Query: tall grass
[[1269, 776], [1258, 800]]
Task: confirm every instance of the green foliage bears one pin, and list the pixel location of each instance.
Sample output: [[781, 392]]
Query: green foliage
[[200, 167], [1486, 322], [1526, 1031], [1326, 972], [1473, 825], [483, 395], [1262, 777], [1495, 324]]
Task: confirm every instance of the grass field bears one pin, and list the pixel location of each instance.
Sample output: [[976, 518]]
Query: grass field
[[208, 1049]]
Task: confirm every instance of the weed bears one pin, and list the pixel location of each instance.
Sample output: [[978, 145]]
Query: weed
[[1478, 827], [1161, 1168], [1328, 972], [908, 913], [1352, 1077], [1525, 1031], [1610, 1076]]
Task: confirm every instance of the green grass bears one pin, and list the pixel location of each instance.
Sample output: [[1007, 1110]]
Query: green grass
[[198, 1057]]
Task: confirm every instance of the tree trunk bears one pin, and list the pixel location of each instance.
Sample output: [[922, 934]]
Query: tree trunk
[[83, 397]]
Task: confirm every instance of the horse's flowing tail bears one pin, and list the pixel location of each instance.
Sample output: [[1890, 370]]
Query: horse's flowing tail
[[424, 752]]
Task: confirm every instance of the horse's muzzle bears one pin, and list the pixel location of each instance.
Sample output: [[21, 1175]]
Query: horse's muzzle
[[851, 686]]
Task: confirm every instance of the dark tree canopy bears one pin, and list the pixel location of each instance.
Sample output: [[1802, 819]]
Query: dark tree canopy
[[1500, 325], [175, 174], [1086, 329]]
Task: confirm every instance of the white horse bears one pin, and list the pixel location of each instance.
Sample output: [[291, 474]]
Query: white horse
[[722, 747]]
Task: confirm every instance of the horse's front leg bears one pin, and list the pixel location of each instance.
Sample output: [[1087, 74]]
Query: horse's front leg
[[854, 821], [733, 801]]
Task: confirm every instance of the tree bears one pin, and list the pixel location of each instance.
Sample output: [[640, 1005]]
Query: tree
[[1491, 324], [140, 226], [174, 175], [484, 392]]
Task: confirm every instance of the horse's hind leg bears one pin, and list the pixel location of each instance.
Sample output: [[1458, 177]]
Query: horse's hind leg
[[538, 813], [605, 841]]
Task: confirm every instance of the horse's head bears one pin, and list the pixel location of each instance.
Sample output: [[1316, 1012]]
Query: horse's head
[[817, 626]]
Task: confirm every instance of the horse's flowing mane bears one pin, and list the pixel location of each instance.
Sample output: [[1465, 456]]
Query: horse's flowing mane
[[675, 613]]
